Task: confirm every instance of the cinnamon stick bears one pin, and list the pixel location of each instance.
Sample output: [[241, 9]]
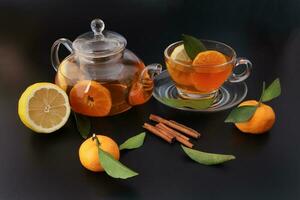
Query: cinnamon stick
[[188, 128], [167, 137], [183, 141], [173, 132], [177, 126]]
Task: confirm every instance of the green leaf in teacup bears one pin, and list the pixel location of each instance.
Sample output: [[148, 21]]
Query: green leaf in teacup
[[83, 125], [207, 158], [189, 103], [273, 91], [134, 142], [192, 46], [111, 166]]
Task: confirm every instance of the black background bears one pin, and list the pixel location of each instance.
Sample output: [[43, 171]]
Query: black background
[[47, 166]]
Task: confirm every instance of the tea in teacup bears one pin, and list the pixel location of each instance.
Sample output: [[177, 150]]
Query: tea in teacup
[[202, 75]]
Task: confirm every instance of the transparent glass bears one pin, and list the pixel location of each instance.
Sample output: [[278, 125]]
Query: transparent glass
[[113, 77], [200, 81]]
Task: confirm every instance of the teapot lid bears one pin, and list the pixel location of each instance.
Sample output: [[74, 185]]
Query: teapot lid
[[99, 43]]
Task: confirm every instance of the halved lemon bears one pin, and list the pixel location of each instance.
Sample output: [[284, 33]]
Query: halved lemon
[[44, 107], [180, 54]]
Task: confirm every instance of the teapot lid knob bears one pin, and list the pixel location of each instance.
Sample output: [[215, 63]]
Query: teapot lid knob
[[97, 26], [99, 42]]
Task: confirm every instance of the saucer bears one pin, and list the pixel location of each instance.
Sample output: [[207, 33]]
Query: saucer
[[229, 95]]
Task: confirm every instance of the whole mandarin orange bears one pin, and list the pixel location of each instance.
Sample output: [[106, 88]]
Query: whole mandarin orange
[[88, 152], [262, 120]]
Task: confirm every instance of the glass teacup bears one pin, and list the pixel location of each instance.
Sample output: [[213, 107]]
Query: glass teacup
[[204, 81]]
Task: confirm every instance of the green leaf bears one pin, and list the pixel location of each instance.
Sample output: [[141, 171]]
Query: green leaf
[[113, 167], [192, 46], [207, 158], [83, 125], [241, 114], [134, 142], [273, 91], [194, 104]]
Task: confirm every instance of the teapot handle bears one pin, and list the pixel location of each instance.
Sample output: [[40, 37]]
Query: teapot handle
[[55, 48]]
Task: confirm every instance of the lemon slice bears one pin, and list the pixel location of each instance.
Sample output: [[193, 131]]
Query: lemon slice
[[44, 107], [179, 54]]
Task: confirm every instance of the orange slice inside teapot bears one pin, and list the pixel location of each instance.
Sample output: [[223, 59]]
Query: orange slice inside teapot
[[90, 98]]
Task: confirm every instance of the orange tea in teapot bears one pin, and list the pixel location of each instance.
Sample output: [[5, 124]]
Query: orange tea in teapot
[[100, 76]]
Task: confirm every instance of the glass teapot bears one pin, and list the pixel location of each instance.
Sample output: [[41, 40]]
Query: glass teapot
[[100, 75]]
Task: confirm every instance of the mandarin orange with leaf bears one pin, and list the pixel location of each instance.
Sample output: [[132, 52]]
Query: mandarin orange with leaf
[[88, 152], [262, 120]]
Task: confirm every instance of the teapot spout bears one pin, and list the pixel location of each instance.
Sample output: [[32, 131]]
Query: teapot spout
[[150, 72], [141, 91], [147, 76]]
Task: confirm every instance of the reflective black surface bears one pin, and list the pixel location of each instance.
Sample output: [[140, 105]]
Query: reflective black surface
[[47, 167]]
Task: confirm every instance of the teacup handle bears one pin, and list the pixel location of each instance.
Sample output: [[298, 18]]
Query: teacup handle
[[55, 48], [235, 78]]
